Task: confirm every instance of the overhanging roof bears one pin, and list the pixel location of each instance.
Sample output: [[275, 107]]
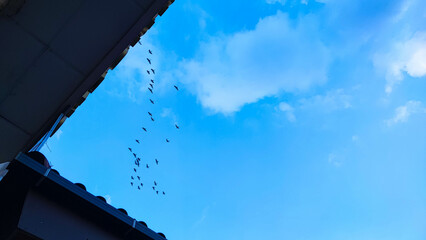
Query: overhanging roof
[[38, 201], [54, 54]]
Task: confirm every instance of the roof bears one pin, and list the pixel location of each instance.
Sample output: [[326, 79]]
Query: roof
[[31, 191], [54, 54]]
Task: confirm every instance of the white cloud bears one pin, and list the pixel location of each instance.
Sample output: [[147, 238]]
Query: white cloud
[[231, 71], [402, 113], [331, 101], [289, 111], [405, 57]]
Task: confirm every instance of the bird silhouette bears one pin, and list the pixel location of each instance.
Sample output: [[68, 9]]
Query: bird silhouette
[[152, 86], [156, 192], [151, 101], [176, 87], [142, 184], [132, 177], [150, 114], [134, 154], [137, 163], [149, 60], [167, 140], [152, 70], [149, 50], [152, 80], [137, 141], [144, 129], [131, 183], [139, 178], [130, 150], [176, 126], [148, 71], [150, 90], [139, 42], [155, 183], [156, 161], [134, 169], [153, 188], [139, 188], [147, 166], [164, 193], [152, 119]]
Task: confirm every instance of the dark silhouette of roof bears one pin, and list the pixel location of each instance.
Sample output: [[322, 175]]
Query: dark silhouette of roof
[[85, 41], [27, 180]]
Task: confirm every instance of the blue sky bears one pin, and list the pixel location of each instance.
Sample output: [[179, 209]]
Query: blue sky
[[299, 120]]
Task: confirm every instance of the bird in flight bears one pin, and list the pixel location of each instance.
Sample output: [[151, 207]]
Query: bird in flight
[[132, 177], [134, 154], [137, 163], [130, 149], [155, 183], [139, 42], [147, 166], [149, 60], [139, 178], [139, 188], [152, 80], [137, 141], [153, 188], [150, 90], [156, 192], [152, 70], [167, 140], [176, 126], [134, 169], [148, 71], [150, 114], [164, 193], [131, 183], [152, 86], [156, 161], [151, 101], [144, 129], [142, 184], [176, 87], [149, 50], [152, 119]]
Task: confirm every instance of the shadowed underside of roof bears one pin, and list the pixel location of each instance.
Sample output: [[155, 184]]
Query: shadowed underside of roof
[[54, 54], [40, 204]]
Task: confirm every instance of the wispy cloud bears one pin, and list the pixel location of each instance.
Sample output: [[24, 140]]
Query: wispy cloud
[[108, 199], [58, 134], [289, 111], [202, 217], [334, 160], [168, 113], [402, 113], [330, 101]]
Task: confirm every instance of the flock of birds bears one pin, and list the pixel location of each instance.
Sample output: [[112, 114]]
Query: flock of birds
[[136, 179]]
